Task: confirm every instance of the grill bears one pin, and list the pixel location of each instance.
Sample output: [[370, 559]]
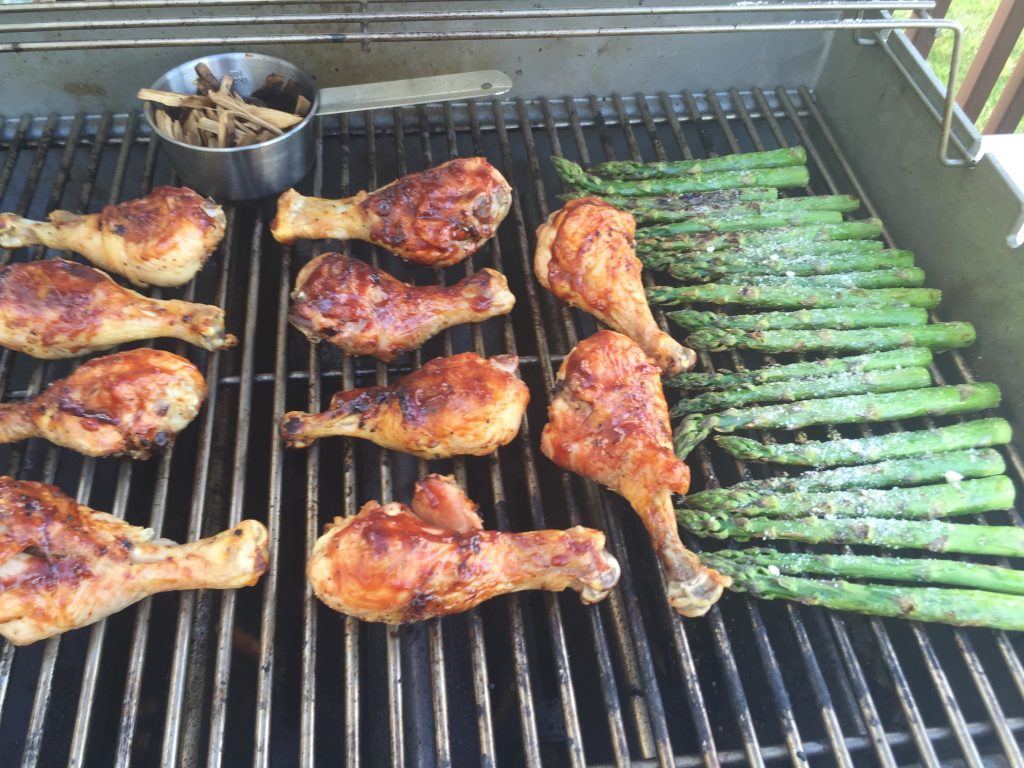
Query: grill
[[268, 676]]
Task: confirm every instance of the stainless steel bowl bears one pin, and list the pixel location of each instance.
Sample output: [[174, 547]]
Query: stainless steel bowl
[[258, 170]]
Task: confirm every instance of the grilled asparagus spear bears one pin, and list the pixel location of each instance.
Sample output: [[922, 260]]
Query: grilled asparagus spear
[[891, 380], [937, 336], [839, 318], [773, 158], [866, 229], [931, 535], [793, 176], [816, 252], [837, 453], [904, 277], [655, 213], [721, 222], [701, 202], [960, 607], [877, 361], [851, 409], [915, 470], [992, 578], [925, 502], [794, 297], [702, 267], [952, 466]]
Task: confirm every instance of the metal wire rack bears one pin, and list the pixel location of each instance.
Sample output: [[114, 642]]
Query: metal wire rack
[[116, 24], [267, 676]]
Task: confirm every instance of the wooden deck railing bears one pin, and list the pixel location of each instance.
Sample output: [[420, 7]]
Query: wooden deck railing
[[974, 93]]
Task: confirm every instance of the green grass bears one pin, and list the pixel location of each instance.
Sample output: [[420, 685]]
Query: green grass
[[975, 16]]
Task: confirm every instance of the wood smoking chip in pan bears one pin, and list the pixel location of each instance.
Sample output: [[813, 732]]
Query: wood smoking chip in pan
[[217, 116]]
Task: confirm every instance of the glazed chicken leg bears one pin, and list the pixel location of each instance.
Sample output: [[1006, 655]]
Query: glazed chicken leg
[[609, 421], [452, 406], [63, 565], [435, 217], [128, 403], [585, 256], [55, 308], [394, 564], [162, 239], [368, 312]]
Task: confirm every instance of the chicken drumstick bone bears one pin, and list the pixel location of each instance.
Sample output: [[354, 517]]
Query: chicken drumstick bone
[[128, 403], [63, 565], [395, 564], [55, 308], [462, 405], [366, 311], [585, 256], [161, 239], [609, 421], [436, 217]]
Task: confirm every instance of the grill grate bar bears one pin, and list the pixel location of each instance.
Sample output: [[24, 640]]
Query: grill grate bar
[[595, 499], [558, 639], [349, 508], [265, 675], [627, 657], [869, 716], [691, 678], [307, 729], [865, 701], [223, 652], [434, 627], [183, 656], [855, 744], [722, 646], [988, 697], [889, 687], [594, 502], [44, 683]]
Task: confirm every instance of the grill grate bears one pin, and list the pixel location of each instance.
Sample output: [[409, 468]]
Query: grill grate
[[263, 677]]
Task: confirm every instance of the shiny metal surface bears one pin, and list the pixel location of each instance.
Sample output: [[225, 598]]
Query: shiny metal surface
[[240, 173], [272, 166]]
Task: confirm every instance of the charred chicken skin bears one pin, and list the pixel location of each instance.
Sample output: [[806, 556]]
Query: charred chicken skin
[[436, 217], [368, 312], [161, 239], [463, 405], [586, 257], [63, 565], [394, 564], [609, 421], [129, 403], [55, 308]]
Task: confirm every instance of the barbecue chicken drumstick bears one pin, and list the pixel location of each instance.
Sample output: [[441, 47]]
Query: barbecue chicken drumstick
[[129, 403], [63, 565], [55, 308], [435, 217], [394, 564], [585, 256], [609, 421], [452, 406], [368, 312], [161, 239]]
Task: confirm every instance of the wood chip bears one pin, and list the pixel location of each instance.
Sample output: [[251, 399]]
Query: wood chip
[[225, 129], [217, 116]]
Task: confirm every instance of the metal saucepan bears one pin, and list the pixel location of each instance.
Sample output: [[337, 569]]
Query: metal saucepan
[[244, 173]]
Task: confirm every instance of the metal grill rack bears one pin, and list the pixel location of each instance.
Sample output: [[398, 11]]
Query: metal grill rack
[[267, 676]]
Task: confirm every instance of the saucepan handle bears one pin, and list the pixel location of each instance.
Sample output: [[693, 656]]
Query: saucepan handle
[[414, 90]]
